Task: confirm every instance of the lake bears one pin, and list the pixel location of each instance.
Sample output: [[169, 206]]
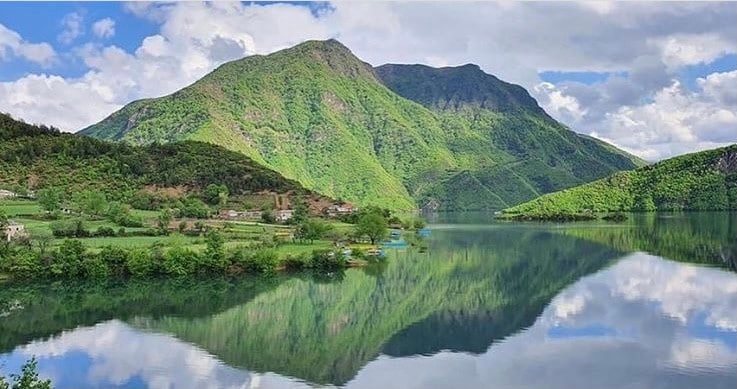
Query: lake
[[649, 303]]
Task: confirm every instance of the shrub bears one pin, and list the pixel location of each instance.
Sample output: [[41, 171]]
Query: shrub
[[67, 260], [139, 263], [179, 261], [95, 267], [23, 264], [327, 260], [213, 258], [297, 262], [70, 228], [104, 231], [419, 224], [116, 259], [261, 261]]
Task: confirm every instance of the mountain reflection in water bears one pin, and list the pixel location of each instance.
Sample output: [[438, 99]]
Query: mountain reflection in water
[[504, 306]]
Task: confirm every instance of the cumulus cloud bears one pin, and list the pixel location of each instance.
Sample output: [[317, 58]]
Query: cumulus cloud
[[645, 46], [12, 44], [104, 28], [674, 120], [72, 27]]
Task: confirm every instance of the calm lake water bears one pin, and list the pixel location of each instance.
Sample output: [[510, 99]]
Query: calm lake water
[[651, 303]]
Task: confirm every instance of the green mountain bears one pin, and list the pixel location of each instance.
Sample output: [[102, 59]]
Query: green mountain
[[37, 157], [705, 180], [317, 114]]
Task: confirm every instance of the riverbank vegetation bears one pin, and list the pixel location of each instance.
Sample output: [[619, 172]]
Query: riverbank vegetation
[[95, 238]]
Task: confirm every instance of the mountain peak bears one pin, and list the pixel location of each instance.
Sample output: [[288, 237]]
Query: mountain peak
[[331, 53], [453, 87]]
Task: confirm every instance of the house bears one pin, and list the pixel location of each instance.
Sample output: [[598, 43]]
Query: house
[[231, 214], [6, 194], [283, 215], [340, 209], [14, 231]]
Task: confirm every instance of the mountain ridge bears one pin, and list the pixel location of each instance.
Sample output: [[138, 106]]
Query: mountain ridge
[[317, 114]]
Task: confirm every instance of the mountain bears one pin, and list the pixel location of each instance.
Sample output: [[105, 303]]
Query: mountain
[[317, 114], [519, 151], [705, 180], [37, 157]]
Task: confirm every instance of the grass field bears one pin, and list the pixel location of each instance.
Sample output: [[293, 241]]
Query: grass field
[[237, 233], [19, 207]]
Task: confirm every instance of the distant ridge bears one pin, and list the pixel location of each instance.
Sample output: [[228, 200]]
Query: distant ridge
[[705, 181]]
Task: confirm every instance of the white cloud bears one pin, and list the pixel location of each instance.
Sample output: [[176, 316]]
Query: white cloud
[[11, 43], [72, 27], [648, 43], [56, 101], [104, 28], [684, 49], [674, 121]]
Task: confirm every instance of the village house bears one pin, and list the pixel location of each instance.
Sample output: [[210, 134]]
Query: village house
[[232, 214], [336, 210], [6, 194], [283, 215], [14, 231]]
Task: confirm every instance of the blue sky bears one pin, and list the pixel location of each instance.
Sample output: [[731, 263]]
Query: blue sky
[[651, 78]]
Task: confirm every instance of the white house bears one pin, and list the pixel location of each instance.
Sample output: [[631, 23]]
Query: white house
[[6, 194], [283, 215], [14, 231]]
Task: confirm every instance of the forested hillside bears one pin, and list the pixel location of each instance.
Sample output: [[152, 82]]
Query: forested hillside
[[705, 180], [34, 157], [317, 114]]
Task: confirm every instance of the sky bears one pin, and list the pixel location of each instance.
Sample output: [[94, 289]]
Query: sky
[[657, 79]]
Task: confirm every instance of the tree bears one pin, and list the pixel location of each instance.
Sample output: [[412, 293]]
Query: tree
[[644, 202], [301, 213], [194, 207], [92, 202], [43, 240], [164, 219], [3, 219], [215, 251], [216, 194], [27, 379], [372, 225], [49, 199], [68, 259], [312, 230]]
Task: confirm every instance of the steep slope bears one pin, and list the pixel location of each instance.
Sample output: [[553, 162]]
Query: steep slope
[[37, 157], [705, 180], [317, 114], [534, 154]]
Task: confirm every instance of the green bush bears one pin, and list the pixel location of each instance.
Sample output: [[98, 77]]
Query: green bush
[[179, 261], [296, 262], [67, 260], [116, 259], [95, 267], [325, 260], [22, 263], [263, 261], [139, 263]]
